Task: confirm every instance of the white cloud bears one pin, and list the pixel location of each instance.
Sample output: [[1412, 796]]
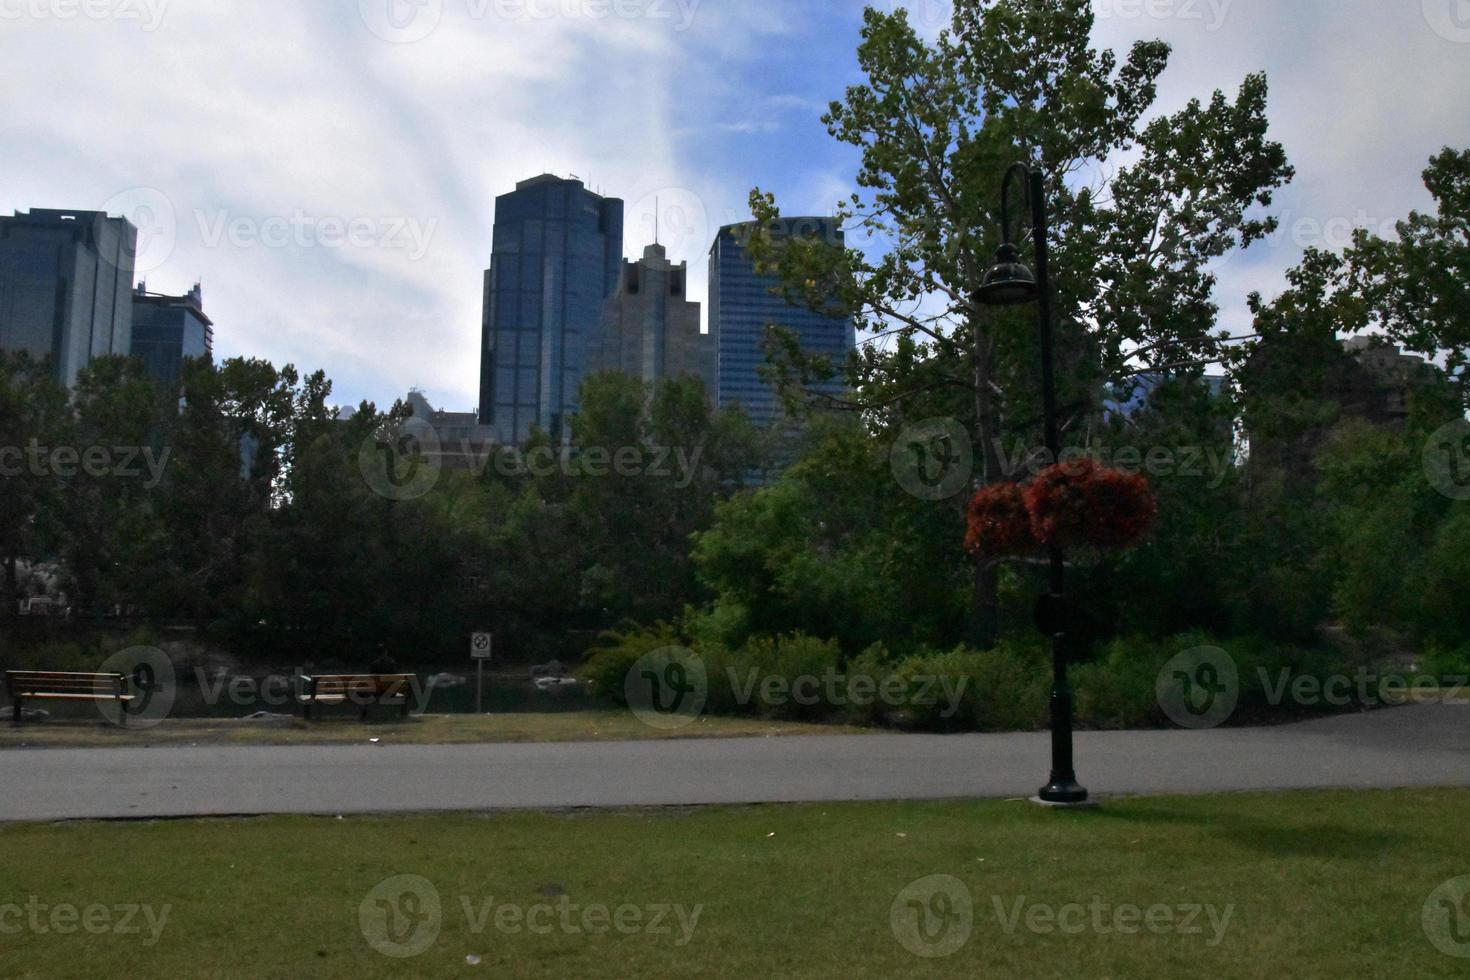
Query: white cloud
[[243, 115]]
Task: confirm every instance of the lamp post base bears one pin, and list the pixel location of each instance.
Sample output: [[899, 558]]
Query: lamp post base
[[1084, 805], [1062, 792]]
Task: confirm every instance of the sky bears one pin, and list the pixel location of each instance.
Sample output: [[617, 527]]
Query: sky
[[328, 169]]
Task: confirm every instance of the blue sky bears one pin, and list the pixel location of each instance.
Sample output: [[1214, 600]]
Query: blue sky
[[329, 171]]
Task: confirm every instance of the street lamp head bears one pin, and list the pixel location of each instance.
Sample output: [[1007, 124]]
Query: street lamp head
[[1009, 282]]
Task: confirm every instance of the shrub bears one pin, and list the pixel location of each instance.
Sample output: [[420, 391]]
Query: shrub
[[605, 667], [788, 659], [1003, 689]]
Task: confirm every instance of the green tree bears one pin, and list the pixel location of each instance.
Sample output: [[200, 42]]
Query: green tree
[[937, 126], [34, 411]]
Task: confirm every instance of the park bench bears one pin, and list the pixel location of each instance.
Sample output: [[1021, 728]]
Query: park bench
[[46, 685], [364, 690]]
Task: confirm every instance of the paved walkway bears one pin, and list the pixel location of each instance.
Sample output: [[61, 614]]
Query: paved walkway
[[1420, 746]]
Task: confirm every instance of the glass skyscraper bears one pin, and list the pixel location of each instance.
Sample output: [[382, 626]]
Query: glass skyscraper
[[167, 329], [66, 283], [741, 306], [556, 257]]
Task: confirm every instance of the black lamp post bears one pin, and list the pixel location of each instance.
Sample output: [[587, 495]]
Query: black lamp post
[[1010, 283]]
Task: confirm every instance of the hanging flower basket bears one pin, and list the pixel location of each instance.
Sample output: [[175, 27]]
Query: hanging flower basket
[[1078, 504], [1085, 504], [1000, 526]]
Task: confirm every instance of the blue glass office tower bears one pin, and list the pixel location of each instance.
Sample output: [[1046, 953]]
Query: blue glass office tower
[[557, 255], [167, 329], [66, 279], [741, 306]]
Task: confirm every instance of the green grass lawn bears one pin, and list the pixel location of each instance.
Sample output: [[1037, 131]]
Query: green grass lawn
[[571, 726], [1313, 884]]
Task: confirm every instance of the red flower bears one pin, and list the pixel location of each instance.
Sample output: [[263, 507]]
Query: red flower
[[1083, 503], [1000, 527]]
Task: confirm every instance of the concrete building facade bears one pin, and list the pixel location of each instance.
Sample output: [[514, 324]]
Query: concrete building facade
[[651, 329]]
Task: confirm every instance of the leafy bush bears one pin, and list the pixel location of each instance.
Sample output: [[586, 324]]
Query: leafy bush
[[605, 667], [1446, 663], [1003, 689], [790, 676]]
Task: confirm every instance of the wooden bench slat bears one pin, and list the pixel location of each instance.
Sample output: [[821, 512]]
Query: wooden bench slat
[[80, 697]]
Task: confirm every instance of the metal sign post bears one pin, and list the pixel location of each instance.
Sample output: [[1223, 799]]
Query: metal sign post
[[481, 645]]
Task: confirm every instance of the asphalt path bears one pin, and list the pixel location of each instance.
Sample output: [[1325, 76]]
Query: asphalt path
[[1407, 747]]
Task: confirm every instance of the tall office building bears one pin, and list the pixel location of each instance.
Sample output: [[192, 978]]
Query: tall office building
[[556, 258], [742, 305], [650, 329], [66, 282], [167, 329]]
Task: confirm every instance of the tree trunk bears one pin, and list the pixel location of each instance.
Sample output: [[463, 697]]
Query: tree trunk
[[987, 455], [10, 592]]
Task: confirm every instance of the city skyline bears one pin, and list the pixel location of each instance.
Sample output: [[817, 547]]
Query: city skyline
[[258, 194]]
